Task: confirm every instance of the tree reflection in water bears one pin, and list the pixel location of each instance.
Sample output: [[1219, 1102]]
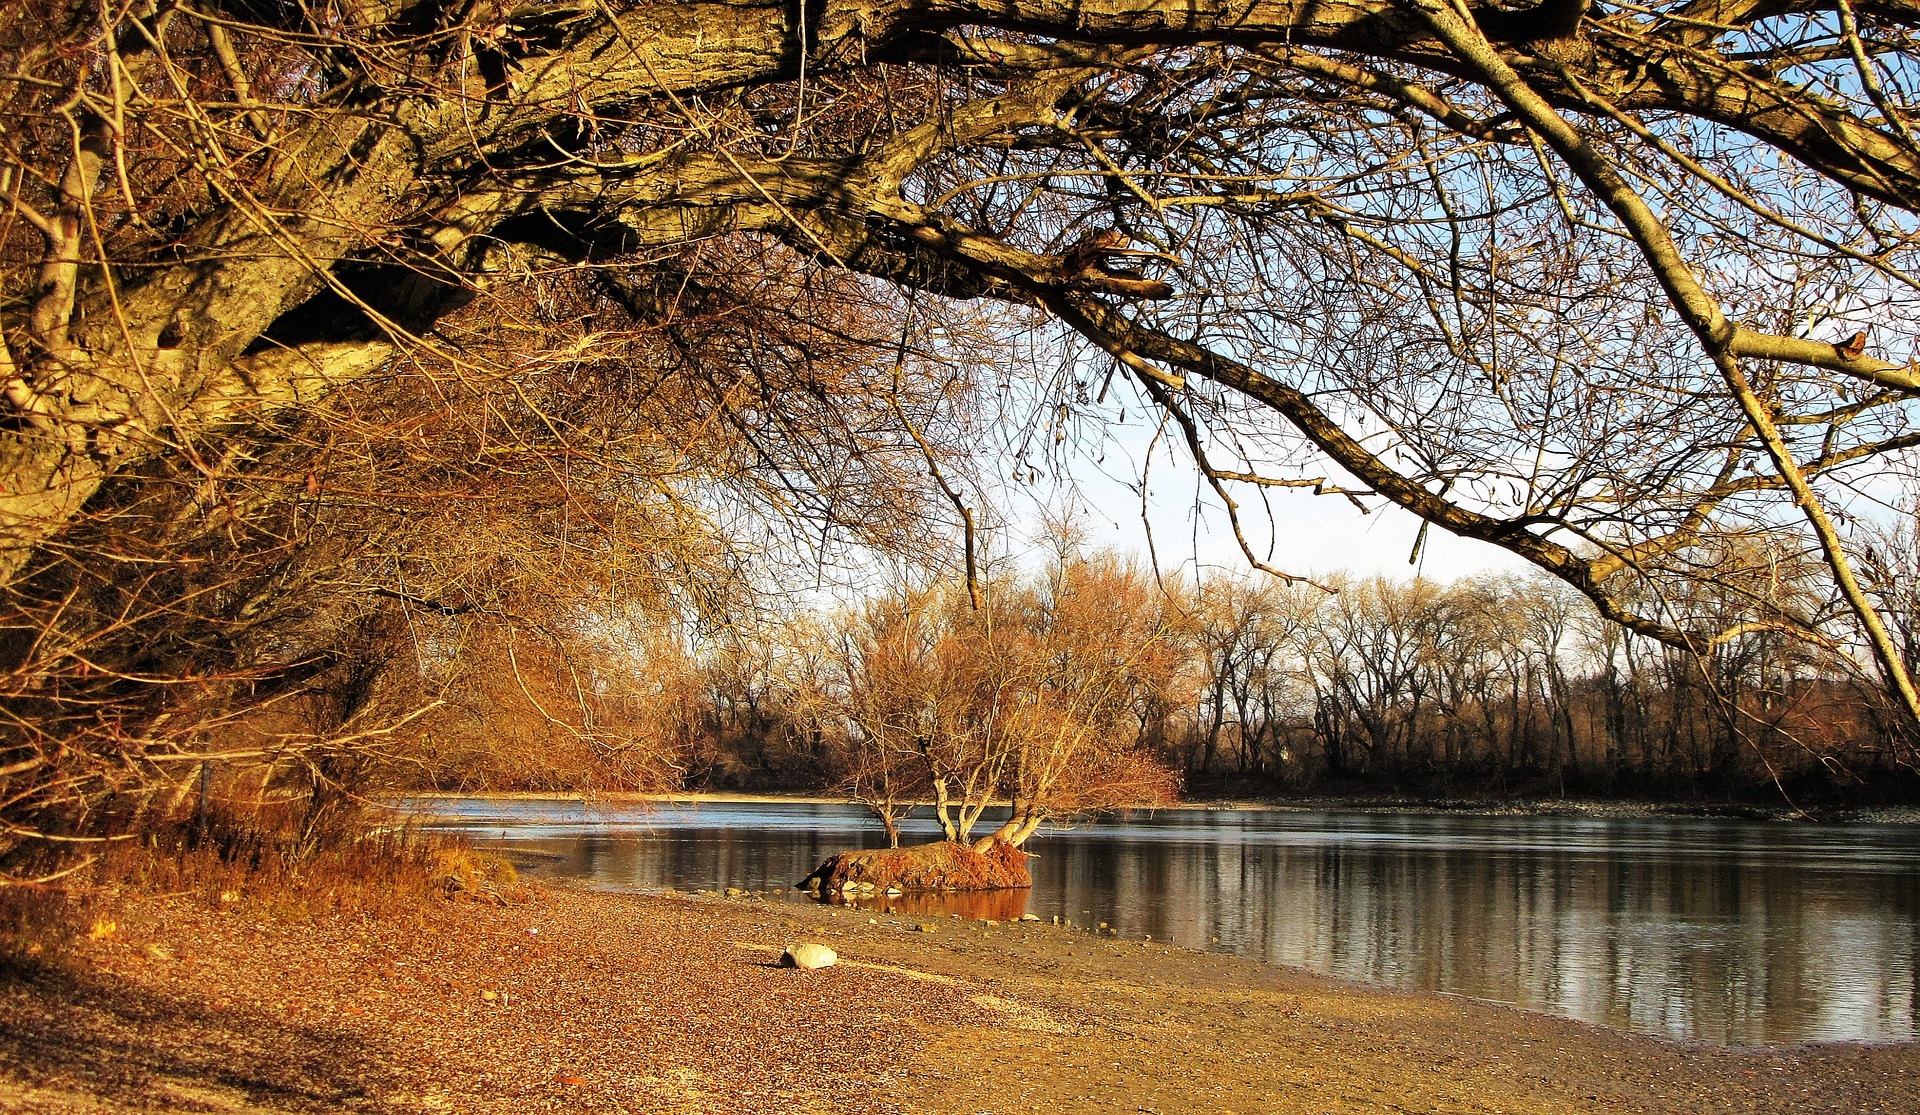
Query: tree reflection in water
[[996, 905]]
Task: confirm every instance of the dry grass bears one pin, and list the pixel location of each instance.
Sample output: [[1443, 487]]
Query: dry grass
[[229, 863]]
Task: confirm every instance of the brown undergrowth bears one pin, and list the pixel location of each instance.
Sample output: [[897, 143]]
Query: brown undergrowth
[[258, 861]]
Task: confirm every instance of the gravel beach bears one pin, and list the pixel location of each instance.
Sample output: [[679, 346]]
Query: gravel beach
[[579, 1001]]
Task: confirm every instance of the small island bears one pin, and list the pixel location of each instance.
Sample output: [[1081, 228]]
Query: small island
[[946, 865], [1025, 697]]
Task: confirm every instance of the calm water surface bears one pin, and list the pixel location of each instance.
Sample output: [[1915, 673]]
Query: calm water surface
[[1725, 932]]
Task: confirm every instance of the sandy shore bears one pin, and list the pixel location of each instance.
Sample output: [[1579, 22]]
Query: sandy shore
[[590, 1002]]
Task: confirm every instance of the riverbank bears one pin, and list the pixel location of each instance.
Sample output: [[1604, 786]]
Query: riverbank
[[577, 1001]]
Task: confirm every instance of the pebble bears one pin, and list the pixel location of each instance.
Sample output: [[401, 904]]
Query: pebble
[[808, 955]]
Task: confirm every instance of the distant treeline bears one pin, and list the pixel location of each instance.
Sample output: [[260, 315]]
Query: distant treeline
[[1497, 685], [1514, 685]]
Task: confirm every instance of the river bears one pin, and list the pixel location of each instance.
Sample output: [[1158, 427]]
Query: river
[[1721, 932]]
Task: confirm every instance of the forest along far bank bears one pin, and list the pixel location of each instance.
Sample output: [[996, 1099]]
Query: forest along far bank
[[1086, 685], [1485, 690]]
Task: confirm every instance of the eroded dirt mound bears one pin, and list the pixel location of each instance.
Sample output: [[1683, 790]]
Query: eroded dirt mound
[[940, 866]]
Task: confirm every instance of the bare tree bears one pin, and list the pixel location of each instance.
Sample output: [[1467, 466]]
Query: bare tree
[[448, 575], [1033, 700], [1514, 684], [1603, 287]]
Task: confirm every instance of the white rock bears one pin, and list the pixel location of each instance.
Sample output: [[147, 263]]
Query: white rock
[[808, 955]]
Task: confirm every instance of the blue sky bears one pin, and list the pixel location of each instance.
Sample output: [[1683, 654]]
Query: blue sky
[[1308, 534]]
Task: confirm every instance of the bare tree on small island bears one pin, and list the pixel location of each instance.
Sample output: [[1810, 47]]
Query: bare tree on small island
[[1050, 699], [338, 338]]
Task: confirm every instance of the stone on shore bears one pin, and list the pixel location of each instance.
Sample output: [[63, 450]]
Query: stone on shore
[[808, 955]]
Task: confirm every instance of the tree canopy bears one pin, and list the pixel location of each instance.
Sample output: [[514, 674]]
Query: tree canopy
[[1619, 288]]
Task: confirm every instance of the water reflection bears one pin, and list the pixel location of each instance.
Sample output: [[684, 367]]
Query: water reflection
[[1724, 932], [995, 905]]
